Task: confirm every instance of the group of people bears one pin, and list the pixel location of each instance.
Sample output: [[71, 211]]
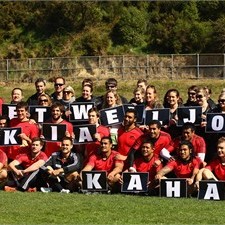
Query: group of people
[[162, 151]]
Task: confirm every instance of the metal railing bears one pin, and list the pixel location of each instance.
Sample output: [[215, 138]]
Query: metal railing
[[170, 66]]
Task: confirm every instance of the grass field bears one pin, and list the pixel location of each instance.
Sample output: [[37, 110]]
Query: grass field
[[56, 208]]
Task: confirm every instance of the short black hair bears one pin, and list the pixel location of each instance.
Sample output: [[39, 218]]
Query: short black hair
[[107, 138], [189, 125], [157, 122]]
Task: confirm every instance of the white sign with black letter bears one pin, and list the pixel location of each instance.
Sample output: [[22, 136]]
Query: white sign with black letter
[[162, 115], [215, 123], [133, 182], [94, 180], [79, 111], [53, 132], [189, 114], [84, 133], [9, 110], [9, 136], [112, 116], [40, 113]]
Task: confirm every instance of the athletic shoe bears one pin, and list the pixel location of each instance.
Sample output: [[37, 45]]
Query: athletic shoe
[[9, 189], [32, 189], [65, 191], [45, 190]]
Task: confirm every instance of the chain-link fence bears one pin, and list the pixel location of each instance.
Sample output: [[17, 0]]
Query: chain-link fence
[[192, 66]]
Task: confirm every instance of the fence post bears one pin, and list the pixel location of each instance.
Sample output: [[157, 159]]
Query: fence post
[[197, 69], [171, 66], [223, 66], [7, 69]]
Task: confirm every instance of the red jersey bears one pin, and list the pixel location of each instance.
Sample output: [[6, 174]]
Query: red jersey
[[143, 166], [163, 141], [217, 168], [3, 159], [90, 148], [184, 170], [26, 160], [31, 130], [101, 164], [197, 141], [51, 147], [126, 139]]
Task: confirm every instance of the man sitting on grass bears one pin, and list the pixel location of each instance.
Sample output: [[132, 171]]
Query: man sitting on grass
[[61, 170], [24, 169]]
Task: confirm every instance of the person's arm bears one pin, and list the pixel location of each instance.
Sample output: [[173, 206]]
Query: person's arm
[[35, 166], [118, 169], [12, 167], [192, 178], [162, 172], [88, 167]]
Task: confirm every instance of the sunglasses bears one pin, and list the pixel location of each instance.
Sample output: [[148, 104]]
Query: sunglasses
[[58, 85], [66, 92], [221, 100], [111, 86], [43, 100], [191, 93], [199, 96]]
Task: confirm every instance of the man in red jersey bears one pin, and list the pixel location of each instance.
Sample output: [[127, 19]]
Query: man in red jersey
[[215, 169], [161, 141], [128, 133], [24, 168], [102, 131], [29, 129], [105, 161], [148, 162], [188, 133], [57, 110]]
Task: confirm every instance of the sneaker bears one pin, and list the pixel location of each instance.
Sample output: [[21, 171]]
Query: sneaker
[[45, 189], [65, 191], [9, 189], [32, 189]]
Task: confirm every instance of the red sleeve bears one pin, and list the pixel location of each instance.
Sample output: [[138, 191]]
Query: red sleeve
[[21, 158], [211, 165], [172, 164], [34, 131], [92, 160]]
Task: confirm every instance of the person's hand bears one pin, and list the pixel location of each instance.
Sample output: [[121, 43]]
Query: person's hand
[[158, 176], [190, 181], [97, 136]]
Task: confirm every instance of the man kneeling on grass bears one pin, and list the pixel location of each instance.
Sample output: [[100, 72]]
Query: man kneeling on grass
[[105, 160], [61, 171], [24, 169]]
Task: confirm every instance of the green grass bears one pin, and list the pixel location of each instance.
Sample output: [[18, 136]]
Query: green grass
[[56, 208]]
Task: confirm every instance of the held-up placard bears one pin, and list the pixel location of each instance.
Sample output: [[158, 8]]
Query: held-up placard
[[94, 181], [9, 110], [215, 123], [139, 110], [112, 116], [162, 115], [189, 114], [211, 190], [53, 132], [9, 136], [173, 188], [133, 182], [40, 113], [84, 133], [79, 111]]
